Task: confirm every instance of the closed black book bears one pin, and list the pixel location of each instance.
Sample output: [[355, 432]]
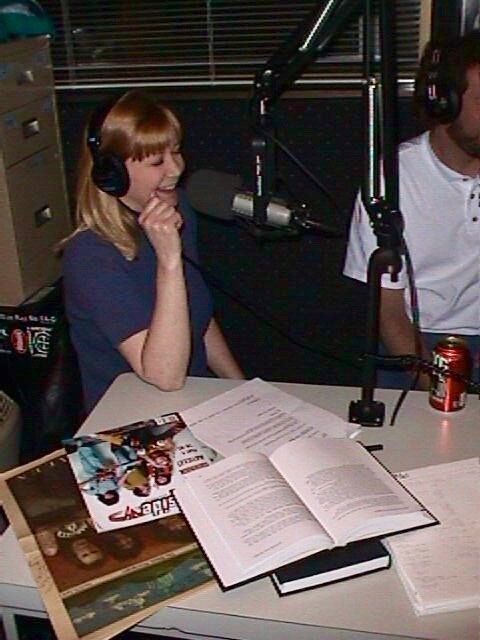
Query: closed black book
[[340, 563]]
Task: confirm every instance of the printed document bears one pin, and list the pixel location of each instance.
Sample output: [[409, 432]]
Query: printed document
[[256, 416]]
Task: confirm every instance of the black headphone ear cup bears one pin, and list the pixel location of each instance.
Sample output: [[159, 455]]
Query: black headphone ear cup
[[110, 174], [443, 101]]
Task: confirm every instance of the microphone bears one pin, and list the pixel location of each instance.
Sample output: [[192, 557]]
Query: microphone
[[221, 195]]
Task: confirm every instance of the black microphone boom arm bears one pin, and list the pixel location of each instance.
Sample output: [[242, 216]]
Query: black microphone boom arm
[[306, 42], [277, 75]]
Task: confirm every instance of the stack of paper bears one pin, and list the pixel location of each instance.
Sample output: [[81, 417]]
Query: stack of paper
[[439, 566]]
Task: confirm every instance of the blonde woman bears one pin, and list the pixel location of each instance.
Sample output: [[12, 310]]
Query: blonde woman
[[133, 302]]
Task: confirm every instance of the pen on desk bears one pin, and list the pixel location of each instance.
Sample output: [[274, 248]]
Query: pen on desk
[[374, 447]]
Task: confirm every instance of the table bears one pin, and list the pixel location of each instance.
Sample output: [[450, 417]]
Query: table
[[370, 607]]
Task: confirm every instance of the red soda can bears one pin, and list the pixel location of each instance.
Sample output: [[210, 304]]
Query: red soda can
[[449, 393]]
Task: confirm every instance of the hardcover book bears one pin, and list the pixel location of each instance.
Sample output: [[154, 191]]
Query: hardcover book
[[337, 564], [253, 514]]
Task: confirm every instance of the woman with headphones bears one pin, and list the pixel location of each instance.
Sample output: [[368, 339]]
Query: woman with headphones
[[133, 297]]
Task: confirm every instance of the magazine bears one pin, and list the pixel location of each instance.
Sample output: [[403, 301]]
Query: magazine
[[126, 475], [95, 585]]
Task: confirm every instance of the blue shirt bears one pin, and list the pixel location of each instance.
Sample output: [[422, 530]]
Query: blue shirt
[[109, 298]]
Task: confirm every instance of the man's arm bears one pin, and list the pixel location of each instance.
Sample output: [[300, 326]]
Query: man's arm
[[396, 329], [219, 357]]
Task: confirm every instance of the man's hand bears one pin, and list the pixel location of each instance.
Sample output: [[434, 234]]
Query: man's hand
[[397, 331]]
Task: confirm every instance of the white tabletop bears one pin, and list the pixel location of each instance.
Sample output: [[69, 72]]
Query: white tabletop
[[421, 435], [370, 606]]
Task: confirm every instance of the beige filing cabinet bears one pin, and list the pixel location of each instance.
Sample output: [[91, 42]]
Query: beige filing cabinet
[[34, 212]]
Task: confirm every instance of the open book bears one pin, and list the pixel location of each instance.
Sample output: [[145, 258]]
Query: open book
[[253, 514]]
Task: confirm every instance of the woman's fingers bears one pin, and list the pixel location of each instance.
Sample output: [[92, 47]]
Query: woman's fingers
[[161, 223], [158, 214]]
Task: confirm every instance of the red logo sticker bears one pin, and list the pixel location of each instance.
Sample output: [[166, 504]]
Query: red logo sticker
[[19, 340]]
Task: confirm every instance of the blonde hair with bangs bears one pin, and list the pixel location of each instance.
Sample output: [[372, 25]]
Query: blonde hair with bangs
[[136, 127]]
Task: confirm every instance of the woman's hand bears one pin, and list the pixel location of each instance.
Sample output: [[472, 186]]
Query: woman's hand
[[162, 222]]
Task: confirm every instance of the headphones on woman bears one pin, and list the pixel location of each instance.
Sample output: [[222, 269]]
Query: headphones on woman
[[442, 98], [109, 172]]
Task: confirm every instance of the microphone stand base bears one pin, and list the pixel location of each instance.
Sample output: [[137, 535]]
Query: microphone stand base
[[368, 413]]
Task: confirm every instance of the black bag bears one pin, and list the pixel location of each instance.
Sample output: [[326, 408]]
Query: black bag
[[39, 370]]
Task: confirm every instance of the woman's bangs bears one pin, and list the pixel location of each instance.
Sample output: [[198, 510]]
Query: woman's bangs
[[154, 137]]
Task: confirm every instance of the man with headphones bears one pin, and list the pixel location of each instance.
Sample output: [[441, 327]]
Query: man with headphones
[[439, 175]]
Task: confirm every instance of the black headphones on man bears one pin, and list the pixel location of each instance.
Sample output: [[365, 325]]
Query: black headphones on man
[[109, 172], [442, 97]]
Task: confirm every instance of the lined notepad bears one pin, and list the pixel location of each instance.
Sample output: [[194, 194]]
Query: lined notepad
[[439, 566]]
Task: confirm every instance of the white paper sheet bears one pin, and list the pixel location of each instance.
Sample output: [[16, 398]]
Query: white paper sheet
[[257, 416], [440, 566], [13, 565]]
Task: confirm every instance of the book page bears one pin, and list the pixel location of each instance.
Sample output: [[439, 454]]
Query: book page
[[349, 492], [255, 512], [256, 416], [436, 581]]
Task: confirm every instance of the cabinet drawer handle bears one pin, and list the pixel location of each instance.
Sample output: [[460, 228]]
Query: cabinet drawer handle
[[26, 77], [30, 127], [42, 216]]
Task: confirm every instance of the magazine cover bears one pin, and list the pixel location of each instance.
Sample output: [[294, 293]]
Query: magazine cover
[[126, 475], [95, 585]]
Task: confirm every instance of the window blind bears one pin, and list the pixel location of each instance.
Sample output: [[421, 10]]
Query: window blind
[[204, 43]]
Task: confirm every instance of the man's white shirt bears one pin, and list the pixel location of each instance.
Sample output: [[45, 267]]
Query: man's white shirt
[[441, 212]]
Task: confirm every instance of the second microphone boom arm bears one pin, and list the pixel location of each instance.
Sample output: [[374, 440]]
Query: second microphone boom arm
[[278, 74]]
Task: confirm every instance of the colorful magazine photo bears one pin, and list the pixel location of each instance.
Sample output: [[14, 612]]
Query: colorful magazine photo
[[95, 585], [126, 475]]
